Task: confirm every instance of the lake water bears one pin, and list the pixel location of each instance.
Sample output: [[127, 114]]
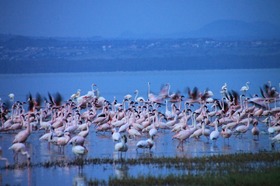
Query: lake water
[[100, 145]]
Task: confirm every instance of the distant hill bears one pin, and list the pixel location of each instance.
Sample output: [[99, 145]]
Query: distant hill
[[234, 29], [21, 54], [220, 29]]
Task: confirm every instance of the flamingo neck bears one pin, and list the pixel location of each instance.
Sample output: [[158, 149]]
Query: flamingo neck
[[136, 95]]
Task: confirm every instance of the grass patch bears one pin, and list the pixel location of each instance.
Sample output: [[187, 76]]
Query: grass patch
[[269, 176], [217, 162]]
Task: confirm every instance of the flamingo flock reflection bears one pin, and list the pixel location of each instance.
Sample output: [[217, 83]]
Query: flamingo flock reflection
[[194, 114]]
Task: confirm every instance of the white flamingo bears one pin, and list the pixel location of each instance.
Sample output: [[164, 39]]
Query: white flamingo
[[116, 136], [245, 88], [79, 150], [275, 139], [12, 97], [121, 146], [19, 148], [76, 95], [214, 135], [145, 144], [139, 99]]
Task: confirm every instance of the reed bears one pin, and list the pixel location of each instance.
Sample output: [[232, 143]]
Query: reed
[[268, 176]]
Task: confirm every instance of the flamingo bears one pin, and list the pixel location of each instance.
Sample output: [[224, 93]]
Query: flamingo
[[79, 150], [22, 136], [122, 146], [77, 140], [145, 144], [241, 129], [46, 136], [153, 131], [224, 88], [206, 132], [2, 158], [138, 99], [274, 140], [44, 124], [76, 95], [116, 136], [214, 135], [196, 134], [183, 135], [226, 133], [12, 97], [132, 131], [127, 97], [245, 88], [164, 92], [168, 113], [63, 140], [255, 130], [85, 132], [19, 148]]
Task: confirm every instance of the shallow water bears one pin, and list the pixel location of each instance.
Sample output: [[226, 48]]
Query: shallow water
[[100, 145]]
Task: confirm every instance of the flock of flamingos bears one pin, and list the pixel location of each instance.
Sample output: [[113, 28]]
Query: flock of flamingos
[[194, 115]]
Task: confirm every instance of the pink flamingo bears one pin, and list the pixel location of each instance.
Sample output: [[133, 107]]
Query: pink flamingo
[[255, 130], [22, 136]]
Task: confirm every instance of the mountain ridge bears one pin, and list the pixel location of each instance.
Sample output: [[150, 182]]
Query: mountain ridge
[[220, 29]]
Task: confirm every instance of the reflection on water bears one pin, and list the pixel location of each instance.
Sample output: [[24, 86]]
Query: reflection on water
[[80, 179], [121, 170]]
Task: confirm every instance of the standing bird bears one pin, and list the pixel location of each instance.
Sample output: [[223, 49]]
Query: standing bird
[[63, 141], [122, 146], [214, 135], [12, 97], [19, 148], [77, 140], [226, 133], [22, 136], [242, 129], [245, 88], [79, 150], [76, 95], [145, 144], [274, 140], [224, 88], [2, 158], [255, 130], [116, 136], [138, 99]]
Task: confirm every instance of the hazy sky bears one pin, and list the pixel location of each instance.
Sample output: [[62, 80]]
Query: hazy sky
[[111, 18]]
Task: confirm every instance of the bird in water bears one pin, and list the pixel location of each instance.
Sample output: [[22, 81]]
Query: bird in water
[[19, 148], [79, 150], [122, 146], [145, 144]]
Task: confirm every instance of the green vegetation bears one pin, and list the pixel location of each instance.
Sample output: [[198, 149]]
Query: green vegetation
[[270, 176], [232, 169]]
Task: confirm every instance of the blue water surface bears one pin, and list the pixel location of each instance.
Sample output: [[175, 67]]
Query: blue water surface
[[118, 84]]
